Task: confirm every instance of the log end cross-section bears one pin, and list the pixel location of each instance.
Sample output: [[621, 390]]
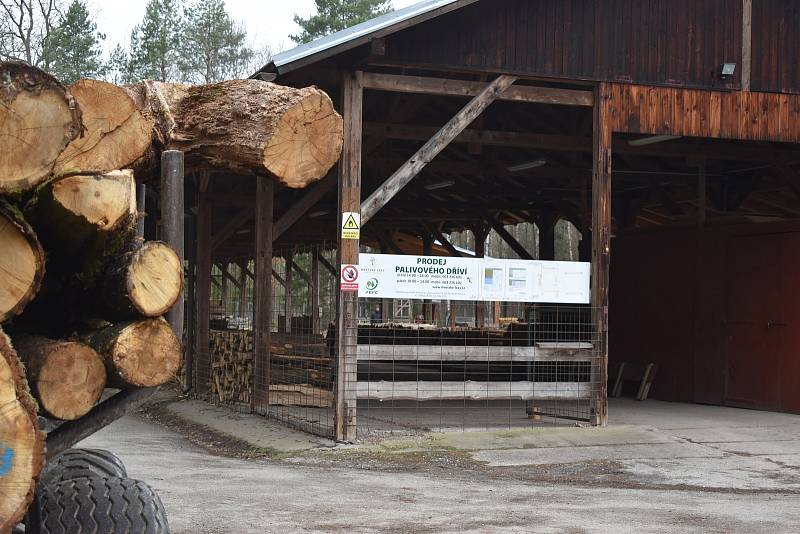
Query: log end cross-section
[[38, 118], [21, 263], [21, 443]]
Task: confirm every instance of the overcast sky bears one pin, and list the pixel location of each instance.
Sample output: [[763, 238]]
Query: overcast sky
[[268, 22]]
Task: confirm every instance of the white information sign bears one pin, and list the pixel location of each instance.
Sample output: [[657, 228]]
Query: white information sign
[[440, 278]]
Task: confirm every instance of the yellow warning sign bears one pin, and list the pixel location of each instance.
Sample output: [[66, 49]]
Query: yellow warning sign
[[351, 225]]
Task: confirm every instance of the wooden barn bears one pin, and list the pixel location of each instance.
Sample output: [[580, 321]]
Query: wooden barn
[[664, 131]]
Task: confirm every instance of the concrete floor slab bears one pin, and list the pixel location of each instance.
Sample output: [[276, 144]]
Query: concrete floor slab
[[725, 434], [760, 447], [564, 455]]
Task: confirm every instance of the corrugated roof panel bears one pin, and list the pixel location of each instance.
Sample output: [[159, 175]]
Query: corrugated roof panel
[[360, 33]]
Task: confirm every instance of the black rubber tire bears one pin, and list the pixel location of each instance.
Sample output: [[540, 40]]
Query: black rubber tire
[[101, 505], [80, 463]]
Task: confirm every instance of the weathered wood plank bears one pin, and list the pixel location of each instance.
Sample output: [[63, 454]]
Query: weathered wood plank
[[429, 390], [433, 147], [262, 293], [442, 86], [472, 353]]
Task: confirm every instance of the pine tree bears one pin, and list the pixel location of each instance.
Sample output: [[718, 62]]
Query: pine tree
[[155, 42], [118, 67], [72, 50], [214, 48], [335, 15]]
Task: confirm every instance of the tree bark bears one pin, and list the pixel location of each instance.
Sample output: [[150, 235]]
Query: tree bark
[[21, 442], [143, 353], [83, 219], [246, 127], [21, 262], [144, 282], [67, 377], [39, 118]]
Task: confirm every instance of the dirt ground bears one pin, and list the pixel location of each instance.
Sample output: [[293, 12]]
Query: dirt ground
[[688, 477]]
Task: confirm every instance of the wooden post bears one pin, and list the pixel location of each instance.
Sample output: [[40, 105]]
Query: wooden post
[[347, 253], [262, 295], [191, 302], [224, 293], [427, 248], [242, 288], [141, 198], [202, 356], [172, 231], [481, 232], [546, 222], [287, 305], [601, 251], [747, 43], [315, 318]]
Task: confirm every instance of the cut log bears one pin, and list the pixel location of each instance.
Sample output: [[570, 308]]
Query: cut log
[[145, 282], [242, 126], [21, 262], [250, 126], [21, 443], [38, 118], [118, 130], [142, 353], [67, 377], [85, 218]]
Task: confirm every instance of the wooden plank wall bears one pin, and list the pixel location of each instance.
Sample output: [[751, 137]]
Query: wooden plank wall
[[776, 46], [700, 113], [680, 42]]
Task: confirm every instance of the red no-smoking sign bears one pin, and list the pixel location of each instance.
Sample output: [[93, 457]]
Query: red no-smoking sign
[[349, 278]]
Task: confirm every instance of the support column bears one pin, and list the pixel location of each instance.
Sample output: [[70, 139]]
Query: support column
[[315, 319], [601, 252], [546, 222], [287, 305], [262, 295], [202, 356], [427, 250], [141, 199], [481, 232], [172, 230], [347, 253], [242, 288], [191, 302]]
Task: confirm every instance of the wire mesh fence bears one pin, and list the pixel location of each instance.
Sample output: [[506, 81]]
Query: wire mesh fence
[[474, 366], [421, 365]]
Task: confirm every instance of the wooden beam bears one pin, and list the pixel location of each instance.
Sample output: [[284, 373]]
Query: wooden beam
[[572, 143], [347, 253], [481, 232], [242, 288], [509, 239], [262, 294], [433, 147], [747, 43], [202, 357], [601, 249], [442, 86], [299, 208], [299, 270], [443, 241], [279, 278], [328, 266], [191, 303], [230, 228]]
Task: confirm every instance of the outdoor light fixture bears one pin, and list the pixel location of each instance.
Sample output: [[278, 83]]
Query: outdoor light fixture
[[529, 165], [444, 184], [320, 213], [653, 139], [727, 70]]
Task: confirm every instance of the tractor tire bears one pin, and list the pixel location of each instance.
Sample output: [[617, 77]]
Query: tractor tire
[[101, 506], [80, 463]]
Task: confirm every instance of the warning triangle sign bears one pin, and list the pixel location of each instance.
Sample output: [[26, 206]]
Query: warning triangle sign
[[350, 223]]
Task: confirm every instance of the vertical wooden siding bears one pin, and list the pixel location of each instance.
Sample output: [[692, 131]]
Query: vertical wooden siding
[[701, 113], [677, 42], [776, 46]]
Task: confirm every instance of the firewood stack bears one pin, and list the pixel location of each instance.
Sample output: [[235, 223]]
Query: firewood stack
[[81, 296], [232, 365]]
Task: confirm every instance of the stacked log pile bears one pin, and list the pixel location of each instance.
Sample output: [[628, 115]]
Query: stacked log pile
[[297, 371], [81, 295]]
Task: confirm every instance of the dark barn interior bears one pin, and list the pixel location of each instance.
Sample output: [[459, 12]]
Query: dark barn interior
[[623, 119]]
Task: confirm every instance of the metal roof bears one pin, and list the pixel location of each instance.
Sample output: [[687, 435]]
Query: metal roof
[[362, 33]]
